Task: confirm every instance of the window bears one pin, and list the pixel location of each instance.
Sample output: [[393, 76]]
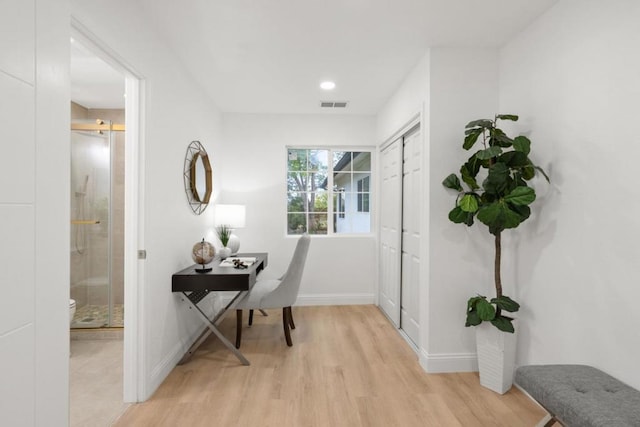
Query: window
[[328, 191]]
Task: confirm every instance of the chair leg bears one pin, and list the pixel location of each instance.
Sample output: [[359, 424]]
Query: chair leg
[[264, 313], [285, 322], [238, 327], [250, 317], [293, 325]]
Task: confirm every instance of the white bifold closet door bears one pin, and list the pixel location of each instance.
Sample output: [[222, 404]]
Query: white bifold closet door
[[390, 230], [400, 214], [411, 215]]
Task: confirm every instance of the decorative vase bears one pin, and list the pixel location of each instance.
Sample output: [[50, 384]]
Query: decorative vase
[[224, 252], [496, 357], [234, 244]]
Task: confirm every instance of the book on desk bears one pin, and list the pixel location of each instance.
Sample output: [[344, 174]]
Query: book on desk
[[232, 261]]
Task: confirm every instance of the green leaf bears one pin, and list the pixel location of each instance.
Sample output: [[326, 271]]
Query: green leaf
[[505, 303], [471, 138], [511, 117], [523, 211], [489, 214], [522, 144], [497, 216], [521, 196], [498, 137], [452, 182], [471, 304], [482, 123], [473, 165], [468, 177], [469, 203], [473, 319], [485, 310], [503, 323], [497, 179], [458, 216], [529, 171], [490, 152], [514, 159]]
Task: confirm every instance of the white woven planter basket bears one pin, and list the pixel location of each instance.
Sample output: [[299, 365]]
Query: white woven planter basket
[[496, 357]]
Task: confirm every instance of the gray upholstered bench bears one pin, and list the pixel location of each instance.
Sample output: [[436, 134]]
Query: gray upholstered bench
[[580, 396]]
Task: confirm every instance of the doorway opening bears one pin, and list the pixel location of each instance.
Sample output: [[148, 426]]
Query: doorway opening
[[106, 154]]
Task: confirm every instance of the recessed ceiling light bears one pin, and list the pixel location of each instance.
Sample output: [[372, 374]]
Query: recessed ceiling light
[[327, 85]]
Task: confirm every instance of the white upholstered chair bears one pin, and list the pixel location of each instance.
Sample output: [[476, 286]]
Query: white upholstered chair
[[276, 293]]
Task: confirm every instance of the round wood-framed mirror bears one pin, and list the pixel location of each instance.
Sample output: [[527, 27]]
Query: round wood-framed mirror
[[198, 181]]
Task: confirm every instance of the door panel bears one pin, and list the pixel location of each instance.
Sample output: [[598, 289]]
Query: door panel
[[411, 214], [390, 230]]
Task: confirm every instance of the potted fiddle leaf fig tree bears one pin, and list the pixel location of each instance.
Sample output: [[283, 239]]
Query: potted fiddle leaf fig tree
[[492, 187]]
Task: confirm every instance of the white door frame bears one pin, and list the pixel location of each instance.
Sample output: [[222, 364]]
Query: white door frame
[[134, 344]]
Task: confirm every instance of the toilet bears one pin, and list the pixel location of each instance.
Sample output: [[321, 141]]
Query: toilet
[[72, 310]]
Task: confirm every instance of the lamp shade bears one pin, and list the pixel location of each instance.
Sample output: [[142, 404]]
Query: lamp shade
[[233, 216]]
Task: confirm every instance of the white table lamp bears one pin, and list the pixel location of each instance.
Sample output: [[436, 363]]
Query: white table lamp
[[233, 216]]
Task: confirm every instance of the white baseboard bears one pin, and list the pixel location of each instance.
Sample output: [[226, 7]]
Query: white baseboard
[[448, 362], [327, 299], [162, 370], [335, 299]]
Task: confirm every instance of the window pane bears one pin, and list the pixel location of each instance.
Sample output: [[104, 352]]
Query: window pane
[[342, 161], [343, 222], [319, 180], [298, 181], [295, 202], [296, 223], [318, 223], [362, 182], [297, 160], [318, 160], [342, 181], [363, 202], [318, 202], [362, 161]]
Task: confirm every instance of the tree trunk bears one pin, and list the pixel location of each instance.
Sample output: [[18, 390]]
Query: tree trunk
[[497, 266]]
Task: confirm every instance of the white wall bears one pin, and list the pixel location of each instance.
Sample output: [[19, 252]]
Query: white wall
[[409, 99], [574, 77], [251, 170], [34, 207], [175, 113], [463, 87]]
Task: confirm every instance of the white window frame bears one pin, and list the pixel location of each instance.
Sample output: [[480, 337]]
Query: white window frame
[[330, 193]]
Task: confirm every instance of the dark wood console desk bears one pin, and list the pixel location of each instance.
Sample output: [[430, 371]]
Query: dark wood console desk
[[196, 286]]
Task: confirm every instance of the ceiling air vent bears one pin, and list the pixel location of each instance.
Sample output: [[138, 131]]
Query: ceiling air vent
[[333, 104]]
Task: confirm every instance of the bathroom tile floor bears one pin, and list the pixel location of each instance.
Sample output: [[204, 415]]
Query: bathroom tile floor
[[97, 316], [95, 382]]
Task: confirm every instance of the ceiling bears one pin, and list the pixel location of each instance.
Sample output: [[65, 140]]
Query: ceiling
[[255, 56]]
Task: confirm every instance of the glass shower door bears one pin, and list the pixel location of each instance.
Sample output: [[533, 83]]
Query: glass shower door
[[90, 224]]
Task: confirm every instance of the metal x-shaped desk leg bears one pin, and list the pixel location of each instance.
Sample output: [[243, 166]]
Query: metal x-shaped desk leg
[[212, 326]]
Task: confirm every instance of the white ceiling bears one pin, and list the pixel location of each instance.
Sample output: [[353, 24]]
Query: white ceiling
[[269, 56]]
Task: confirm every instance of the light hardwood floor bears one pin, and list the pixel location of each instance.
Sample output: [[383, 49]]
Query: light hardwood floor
[[347, 367]]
